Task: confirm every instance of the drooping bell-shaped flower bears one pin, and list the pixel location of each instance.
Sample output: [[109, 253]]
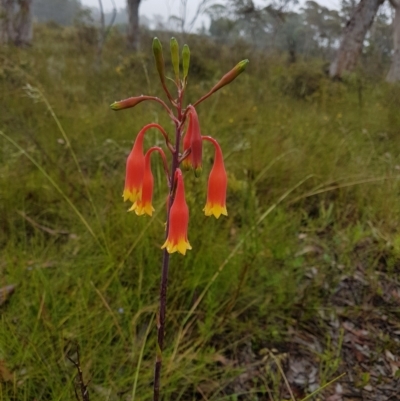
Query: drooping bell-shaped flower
[[135, 170], [187, 161], [217, 184], [193, 140], [135, 166], [177, 240], [144, 205]]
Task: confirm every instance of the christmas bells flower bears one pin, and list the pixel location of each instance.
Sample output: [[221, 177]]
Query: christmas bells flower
[[187, 163], [193, 141], [217, 184], [177, 240], [135, 170], [143, 205], [135, 166], [186, 150]]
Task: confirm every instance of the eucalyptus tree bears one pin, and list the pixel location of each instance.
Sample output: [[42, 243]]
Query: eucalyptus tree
[[322, 28], [223, 27], [270, 25], [394, 72], [353, 37], [133, 36], [16, 22], [355, 34]]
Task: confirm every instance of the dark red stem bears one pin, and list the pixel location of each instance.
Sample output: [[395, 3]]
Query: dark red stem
[[166, 256]]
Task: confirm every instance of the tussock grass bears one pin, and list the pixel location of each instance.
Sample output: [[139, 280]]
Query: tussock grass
[[321, 170]]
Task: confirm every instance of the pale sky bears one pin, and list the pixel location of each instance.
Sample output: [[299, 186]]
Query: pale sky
[[149, 7], [166, 8]]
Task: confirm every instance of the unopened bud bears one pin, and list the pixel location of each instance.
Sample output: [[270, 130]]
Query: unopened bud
[[196, 142], [185, 61], [159, 59], [127, 103], [231, 75], [174, 46]]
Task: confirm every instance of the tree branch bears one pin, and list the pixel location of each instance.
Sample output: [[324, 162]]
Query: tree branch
[[114, 15], [200, 10]]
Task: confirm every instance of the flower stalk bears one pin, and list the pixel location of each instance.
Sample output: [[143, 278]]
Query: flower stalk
[[139, 179]]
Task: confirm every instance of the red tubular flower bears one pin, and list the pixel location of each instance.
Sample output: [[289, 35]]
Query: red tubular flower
[[193, 141], [135, 170], [177, 240], [144, 203], [135, 166], [187, 161], [217, 184]]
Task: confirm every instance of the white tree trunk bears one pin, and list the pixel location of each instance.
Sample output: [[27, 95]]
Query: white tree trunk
[[394, 72], [353, 37], [133, 24], [16, 22]]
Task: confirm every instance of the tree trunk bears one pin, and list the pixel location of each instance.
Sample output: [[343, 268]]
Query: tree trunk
[[16, 22], [23, 24], [6, 26], [394, 72], [133, 24], [353, 37]]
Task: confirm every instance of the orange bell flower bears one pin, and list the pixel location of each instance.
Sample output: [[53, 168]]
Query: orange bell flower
[[187, 161], [143, 205], [177, 240], [217, 184], [193, 141], [135, 166], [135, 170]]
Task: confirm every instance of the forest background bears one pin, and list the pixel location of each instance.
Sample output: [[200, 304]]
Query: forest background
[[295, 295]]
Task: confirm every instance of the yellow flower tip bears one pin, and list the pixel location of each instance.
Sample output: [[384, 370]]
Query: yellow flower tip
[[146, 209], [126, 195], [149, 209], [181, 246], [241, 66], [215, 210], [132, 196], [186, 164], [136, 208], [140, 209]]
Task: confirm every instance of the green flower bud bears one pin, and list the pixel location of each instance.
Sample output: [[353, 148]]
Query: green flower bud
[[128, 103], [231, 75], [175, 56], [159, 59], [185, 61]]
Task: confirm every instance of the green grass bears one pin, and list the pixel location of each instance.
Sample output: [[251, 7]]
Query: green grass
[[314, 183]]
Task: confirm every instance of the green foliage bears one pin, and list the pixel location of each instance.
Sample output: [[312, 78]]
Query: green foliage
[[313, 193], [302, 80]]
